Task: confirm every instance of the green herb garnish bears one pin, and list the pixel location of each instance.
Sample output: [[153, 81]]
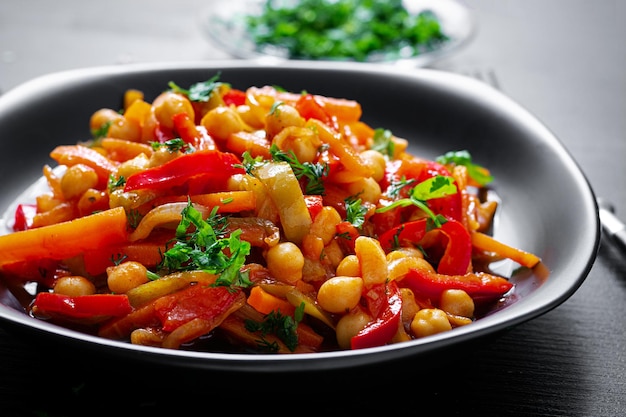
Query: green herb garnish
[[435, 187], [476, 172], [314, 173]]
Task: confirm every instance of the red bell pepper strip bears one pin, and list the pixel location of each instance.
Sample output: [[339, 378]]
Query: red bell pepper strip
[[315, 204], [412, 231], [310, 108], [458, 247], [480, 286], [234, 97], [197, 301], [348, 232], [199, 171], [385, 303], [458, 253], [24, 214], [83, 306]]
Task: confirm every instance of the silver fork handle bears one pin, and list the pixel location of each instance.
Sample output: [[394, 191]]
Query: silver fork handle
[[612, 227]]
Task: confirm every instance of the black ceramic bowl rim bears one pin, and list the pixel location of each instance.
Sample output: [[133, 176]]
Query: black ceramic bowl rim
[[568, 254]]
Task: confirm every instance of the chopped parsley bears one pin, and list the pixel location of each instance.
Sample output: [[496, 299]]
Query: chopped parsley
[[205, 248], [355, 211], [200, 92], [173, 145], [383, 142], [371, 30], [284, 327], [314, 173]]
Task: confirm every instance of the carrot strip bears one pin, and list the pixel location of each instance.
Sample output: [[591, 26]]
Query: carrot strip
[[265, 303], [486, 243], [67, 239]]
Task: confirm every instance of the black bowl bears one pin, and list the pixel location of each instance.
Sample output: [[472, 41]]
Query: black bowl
[[548, 207]]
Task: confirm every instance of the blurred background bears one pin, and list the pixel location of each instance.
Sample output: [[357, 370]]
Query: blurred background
[[549, 55]]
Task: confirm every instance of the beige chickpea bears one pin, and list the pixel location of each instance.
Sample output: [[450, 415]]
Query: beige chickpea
[[221, 122], [457, 302], [429, 321], [302, 141], [349, 266], [340, 294], [74, 285], [372, 260], [126, 276], [325, 224], [350, 325], [376, 161], [76, 180], [127, 129], [169, 104], [366, 188], [102, 117], [281, 116], [285, 262], [132, 166]]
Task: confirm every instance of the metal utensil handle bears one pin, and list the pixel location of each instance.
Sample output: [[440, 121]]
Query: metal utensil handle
[[613, 227]]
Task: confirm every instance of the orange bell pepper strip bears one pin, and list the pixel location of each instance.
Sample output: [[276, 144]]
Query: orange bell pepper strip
[[66, 239], [486, 243], [78, 154]]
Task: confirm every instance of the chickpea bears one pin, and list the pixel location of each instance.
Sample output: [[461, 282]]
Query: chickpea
[[324, 225], [132, 166], [285, 262], [126, 276], [372, 260], [280, 117], [429, 321], [78, 179], [350, 325], [169, 104], [340, 294], [349, 266], [123, 128], [367, 189], [221, 122], [457, 302], [74, 285], [302, 141], [376, 161], [103, 116]]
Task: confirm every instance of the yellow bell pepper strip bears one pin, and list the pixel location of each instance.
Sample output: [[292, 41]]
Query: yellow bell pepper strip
[[91, 306], [480, 286], [488, 244], [385, 304], [194, 173], [66, 239], [284, 189]]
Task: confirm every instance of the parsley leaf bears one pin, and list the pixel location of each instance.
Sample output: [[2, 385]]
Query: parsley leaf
[[199, 91], [173, 145], [312, 172], [355, 211], [383, 142], [284, 327], [435, 187], [476, 172]]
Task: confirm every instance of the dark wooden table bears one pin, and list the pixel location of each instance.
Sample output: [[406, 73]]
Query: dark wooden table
[[563, 60]]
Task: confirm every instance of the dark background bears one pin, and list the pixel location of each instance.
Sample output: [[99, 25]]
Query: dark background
[[563, 60]]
